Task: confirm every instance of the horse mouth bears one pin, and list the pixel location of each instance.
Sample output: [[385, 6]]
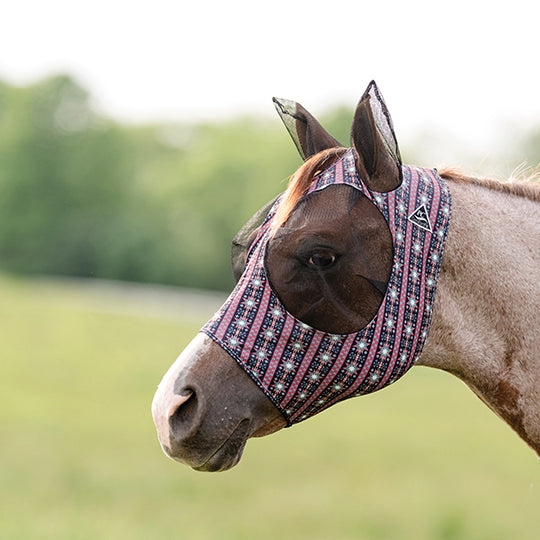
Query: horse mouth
[[229, 452]]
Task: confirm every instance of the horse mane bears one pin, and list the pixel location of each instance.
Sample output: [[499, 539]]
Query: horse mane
[[528, 188], [301, 180]]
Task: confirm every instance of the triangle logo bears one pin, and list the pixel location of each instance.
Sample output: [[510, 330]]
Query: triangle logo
[[420, 217]]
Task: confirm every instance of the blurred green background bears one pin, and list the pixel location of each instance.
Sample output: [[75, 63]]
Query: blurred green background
[[422, 460], [85, 196]]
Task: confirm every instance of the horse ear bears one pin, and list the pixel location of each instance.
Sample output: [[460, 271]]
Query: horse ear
[[307, 133], [378, 160]]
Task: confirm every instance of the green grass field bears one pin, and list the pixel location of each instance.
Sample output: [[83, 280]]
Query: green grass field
[[423, 459]]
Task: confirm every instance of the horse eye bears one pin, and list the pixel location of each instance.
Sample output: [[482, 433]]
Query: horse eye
[[322, 260]]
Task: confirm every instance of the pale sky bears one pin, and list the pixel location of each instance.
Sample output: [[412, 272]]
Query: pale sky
[[467, 69]]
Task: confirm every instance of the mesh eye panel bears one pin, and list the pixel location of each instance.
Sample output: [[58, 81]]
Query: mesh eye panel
[[344, 226]]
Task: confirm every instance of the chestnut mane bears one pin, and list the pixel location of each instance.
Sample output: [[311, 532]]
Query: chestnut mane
[[301, 180]]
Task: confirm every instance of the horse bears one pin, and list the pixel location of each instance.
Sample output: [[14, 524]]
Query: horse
[[329, 257]]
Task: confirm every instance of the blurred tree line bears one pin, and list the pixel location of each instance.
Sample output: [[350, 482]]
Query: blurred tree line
[[83, 195]]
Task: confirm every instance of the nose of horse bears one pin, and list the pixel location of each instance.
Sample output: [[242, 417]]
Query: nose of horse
[[178, 405], [206, 407], [177, 417], [165, 413]]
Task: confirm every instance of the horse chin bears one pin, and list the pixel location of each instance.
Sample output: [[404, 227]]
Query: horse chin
[[218, 464], [229, 453], [223, 460]]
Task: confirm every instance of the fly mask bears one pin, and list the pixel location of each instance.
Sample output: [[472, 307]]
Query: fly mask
[[303, 370]]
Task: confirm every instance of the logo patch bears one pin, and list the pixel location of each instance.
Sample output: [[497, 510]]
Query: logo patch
[[420, 217]]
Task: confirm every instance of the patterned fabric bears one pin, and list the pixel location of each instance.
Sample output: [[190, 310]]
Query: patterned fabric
[[303, 370]]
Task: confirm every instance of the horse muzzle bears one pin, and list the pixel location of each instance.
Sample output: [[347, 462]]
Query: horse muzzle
[[206, 407]]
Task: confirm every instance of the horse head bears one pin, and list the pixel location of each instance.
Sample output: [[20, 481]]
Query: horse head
[[314, 268]]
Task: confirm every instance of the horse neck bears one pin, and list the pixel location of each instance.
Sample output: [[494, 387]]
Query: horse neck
[[485, 318]]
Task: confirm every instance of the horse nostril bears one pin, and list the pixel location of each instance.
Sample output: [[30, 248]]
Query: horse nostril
[[181, 414]]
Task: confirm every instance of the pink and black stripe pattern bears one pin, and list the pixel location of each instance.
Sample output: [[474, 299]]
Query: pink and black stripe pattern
[[304, 370]]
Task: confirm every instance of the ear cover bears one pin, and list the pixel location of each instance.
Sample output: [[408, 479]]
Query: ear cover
[[307, 133], [373, 138]]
